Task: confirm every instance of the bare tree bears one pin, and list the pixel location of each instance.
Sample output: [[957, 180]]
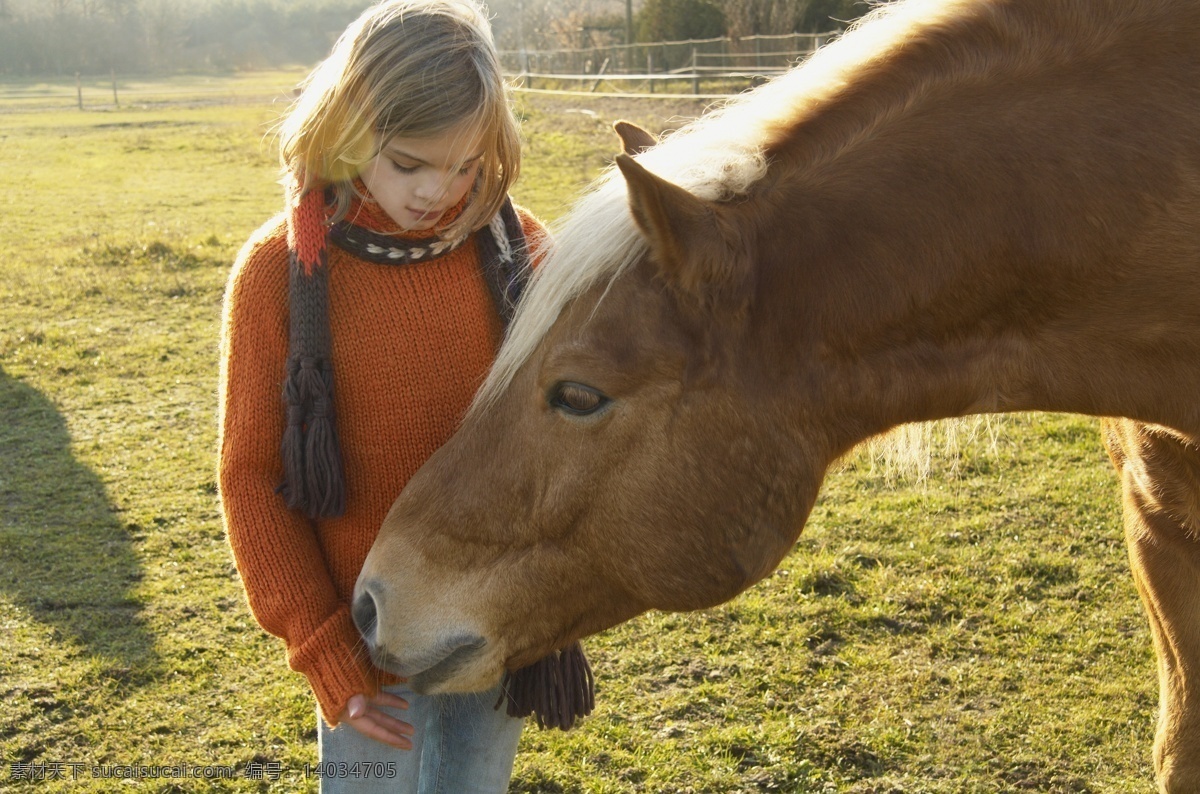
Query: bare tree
[[755, 17]]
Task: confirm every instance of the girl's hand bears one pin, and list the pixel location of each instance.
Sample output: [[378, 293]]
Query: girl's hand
[[365, 716]]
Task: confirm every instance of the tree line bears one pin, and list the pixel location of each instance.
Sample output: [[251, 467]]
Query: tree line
[[63, 37], [57, 37], [673, 20]]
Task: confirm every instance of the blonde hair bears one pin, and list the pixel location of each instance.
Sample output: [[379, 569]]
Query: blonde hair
[[411, 68]]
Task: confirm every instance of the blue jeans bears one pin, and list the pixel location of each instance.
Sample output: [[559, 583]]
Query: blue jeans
[[461, 746]]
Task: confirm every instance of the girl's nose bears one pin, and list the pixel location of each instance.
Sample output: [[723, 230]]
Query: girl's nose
[[428, 186]]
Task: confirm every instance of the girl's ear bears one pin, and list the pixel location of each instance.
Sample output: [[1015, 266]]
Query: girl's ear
[[634, 139], [698, 248]]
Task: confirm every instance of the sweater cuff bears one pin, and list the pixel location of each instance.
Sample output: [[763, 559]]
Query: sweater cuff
[[335, 663]]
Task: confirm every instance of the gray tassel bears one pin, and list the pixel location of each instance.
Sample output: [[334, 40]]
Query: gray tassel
[[557, 689]]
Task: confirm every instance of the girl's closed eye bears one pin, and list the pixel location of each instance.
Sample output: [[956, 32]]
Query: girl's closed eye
[[412, 169]]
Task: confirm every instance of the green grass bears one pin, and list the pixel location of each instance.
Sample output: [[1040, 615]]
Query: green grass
[[975, 630]]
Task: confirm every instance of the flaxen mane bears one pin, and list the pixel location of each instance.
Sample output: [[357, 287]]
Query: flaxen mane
[[718, 156]]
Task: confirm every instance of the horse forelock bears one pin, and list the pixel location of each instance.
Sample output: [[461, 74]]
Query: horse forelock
[[716, 157]]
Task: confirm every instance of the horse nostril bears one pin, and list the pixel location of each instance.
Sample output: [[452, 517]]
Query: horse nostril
[[365, 614]]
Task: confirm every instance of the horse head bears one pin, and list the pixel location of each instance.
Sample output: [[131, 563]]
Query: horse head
[[633, 461]]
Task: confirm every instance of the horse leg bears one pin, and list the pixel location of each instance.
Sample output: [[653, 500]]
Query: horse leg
[[1160, 476]]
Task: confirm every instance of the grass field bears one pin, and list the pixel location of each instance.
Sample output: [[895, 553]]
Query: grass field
[[972, 631]]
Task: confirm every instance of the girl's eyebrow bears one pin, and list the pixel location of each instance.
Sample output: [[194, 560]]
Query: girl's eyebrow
[[401, 153]]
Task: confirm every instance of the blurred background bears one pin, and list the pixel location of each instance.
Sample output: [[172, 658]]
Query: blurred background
[[62, 37]]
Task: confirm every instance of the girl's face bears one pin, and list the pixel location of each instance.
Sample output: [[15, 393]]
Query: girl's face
[[415, 180]]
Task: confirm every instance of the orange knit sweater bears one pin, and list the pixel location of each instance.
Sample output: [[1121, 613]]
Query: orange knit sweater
[[411, 343]]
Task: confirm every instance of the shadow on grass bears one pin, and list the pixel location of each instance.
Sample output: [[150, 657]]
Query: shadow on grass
[[65, 559]]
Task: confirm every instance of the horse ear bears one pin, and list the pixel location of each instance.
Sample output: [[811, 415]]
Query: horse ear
[[695, 246], [634, 139]]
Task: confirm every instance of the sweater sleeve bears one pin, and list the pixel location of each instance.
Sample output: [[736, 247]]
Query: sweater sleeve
[[283, 569]]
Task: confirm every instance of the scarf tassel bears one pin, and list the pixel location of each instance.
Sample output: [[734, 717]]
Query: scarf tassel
[[557, 689], [314, 481]]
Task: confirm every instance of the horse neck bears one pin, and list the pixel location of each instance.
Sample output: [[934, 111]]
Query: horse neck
[[1024, 240]]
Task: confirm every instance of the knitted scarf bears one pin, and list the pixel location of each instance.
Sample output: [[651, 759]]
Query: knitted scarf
[[556, 689]]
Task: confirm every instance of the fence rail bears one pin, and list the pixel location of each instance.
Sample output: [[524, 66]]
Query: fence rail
[[652, 84], [660, 56], [720, 66]]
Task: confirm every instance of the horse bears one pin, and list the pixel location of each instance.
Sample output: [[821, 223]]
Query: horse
[[959, 207]]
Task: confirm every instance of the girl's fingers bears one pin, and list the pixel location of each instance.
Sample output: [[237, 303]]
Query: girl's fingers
[[390, 700], [378, 726], [383, 727], [366, 715], [357, 706], [368, 727], [390, 723]]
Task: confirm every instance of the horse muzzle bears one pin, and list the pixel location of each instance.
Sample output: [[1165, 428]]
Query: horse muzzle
[[449, 662]]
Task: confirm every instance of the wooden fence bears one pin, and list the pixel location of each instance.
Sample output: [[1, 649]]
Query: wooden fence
[[701, 67]]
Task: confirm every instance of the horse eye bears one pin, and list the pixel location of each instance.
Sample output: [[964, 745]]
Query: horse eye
[[575, 398]]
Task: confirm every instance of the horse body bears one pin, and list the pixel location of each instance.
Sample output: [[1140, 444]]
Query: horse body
[[974, 243], [968, 206]]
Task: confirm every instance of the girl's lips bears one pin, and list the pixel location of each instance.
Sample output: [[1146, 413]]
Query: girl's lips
[[425, 216]]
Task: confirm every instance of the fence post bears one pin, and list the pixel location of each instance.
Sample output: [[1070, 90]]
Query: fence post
[[113, 74], [650, 70], [695, 72], [79, 90], [603, 69]]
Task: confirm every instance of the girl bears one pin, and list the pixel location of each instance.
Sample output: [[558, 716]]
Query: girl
[[357, 326]]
